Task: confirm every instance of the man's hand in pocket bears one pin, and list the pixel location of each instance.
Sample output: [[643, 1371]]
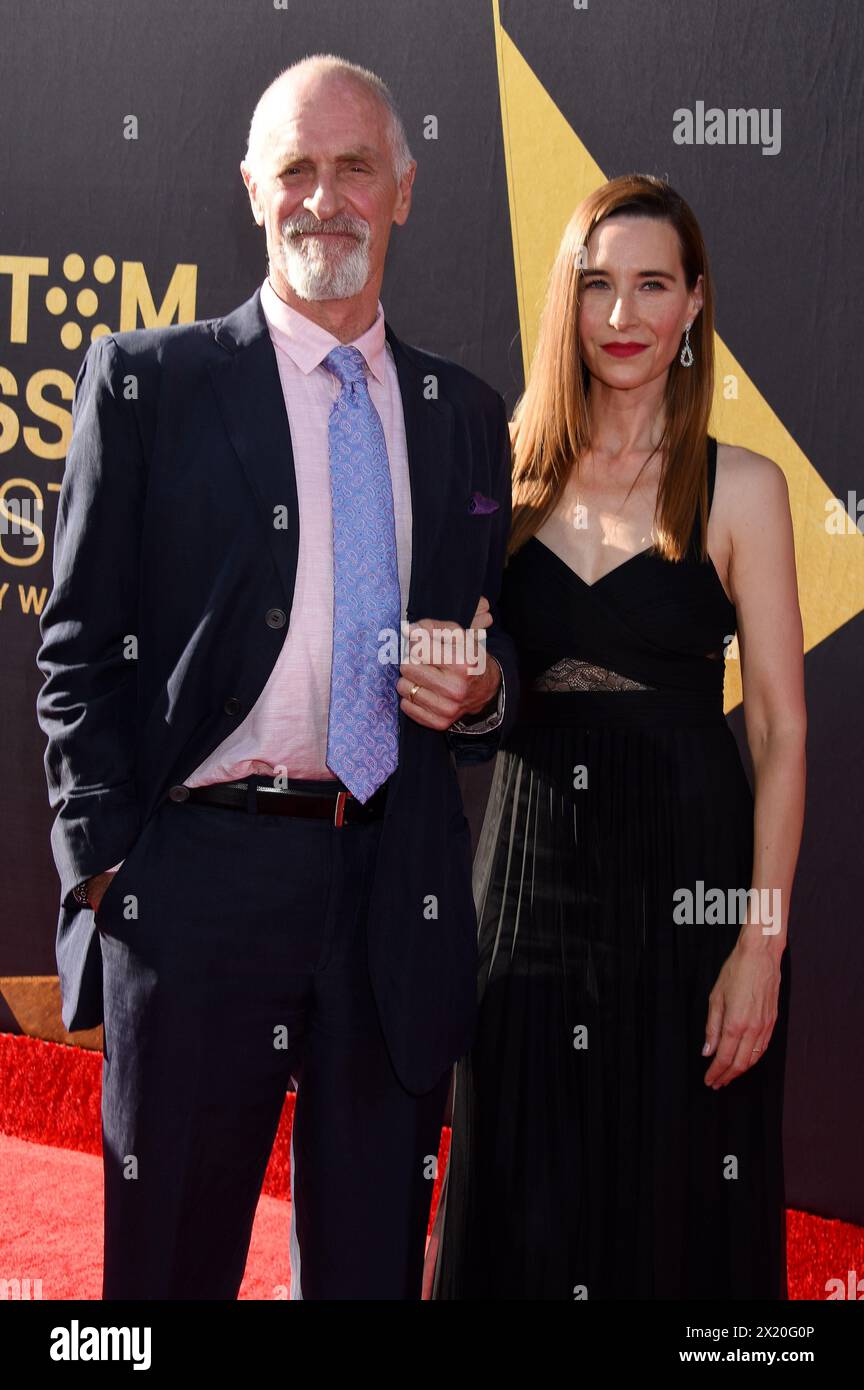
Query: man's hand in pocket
[[96, 887]]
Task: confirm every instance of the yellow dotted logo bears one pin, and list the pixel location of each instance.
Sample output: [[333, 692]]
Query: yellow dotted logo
[[86, 300]]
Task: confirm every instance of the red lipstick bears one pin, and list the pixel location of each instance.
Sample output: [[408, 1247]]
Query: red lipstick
[[623, 349]]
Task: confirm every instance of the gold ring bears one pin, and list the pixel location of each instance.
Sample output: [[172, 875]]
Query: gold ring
[[414, 690]]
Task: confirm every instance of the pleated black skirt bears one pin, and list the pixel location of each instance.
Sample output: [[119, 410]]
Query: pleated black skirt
[[588, 1157]]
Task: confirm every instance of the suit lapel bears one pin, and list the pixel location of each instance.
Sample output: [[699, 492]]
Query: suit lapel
[[429, 441], [246, 380]]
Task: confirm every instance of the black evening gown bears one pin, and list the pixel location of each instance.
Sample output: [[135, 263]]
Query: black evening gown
[[588, 1157]]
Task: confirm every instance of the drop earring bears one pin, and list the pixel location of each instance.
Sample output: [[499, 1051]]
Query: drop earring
[[686, 357]]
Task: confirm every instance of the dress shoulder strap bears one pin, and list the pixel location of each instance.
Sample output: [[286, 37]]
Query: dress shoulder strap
[[712, 469]]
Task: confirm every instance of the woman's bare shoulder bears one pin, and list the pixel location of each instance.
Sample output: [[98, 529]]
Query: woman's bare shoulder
[[746, 478]]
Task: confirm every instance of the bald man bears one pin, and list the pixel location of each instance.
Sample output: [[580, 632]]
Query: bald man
[[271, 637]]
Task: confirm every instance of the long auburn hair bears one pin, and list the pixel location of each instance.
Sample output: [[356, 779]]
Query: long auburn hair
[[550, 426]]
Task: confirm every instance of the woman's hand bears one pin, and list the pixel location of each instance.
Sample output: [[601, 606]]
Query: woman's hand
[[482, 617], [742, 1011]]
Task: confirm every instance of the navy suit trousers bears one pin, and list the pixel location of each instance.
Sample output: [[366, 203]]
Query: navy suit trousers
[[235, 965]]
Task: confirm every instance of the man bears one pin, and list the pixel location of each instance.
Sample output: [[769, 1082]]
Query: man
[[250, 505]]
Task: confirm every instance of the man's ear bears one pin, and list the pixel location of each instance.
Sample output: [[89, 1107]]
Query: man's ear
[[403, 202], [252, 189]]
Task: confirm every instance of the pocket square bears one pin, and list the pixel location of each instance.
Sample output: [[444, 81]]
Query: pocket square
[[482, 505]]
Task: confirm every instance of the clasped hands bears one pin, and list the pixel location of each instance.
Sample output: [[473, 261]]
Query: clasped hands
[[446, 691]]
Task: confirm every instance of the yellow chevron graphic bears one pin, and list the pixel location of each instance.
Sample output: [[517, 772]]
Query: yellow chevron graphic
[[549, 171]]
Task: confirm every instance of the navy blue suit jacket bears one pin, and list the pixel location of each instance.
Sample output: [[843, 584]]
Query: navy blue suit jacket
[[165, 543]]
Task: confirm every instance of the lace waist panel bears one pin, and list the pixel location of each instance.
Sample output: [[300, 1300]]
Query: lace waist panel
[[572, 674]]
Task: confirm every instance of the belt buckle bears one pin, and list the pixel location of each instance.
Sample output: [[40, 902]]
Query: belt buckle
[[339, 809]]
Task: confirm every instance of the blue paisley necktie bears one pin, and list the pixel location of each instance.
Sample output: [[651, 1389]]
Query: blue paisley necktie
[[363, 728]]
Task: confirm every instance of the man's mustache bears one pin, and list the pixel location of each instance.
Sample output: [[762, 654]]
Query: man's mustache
[[348, 226]]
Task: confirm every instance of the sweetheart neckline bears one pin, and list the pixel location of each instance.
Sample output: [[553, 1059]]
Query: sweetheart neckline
[[637, 555]]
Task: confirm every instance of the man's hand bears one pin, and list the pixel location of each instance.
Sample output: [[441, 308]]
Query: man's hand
[[97, 887], [444, 686]]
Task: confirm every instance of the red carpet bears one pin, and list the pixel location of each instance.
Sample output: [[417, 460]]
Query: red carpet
[[51, 1193], [48, 1235]]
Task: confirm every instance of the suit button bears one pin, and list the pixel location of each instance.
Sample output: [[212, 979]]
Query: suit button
[[179, 793], [275, 617], [232, 705]]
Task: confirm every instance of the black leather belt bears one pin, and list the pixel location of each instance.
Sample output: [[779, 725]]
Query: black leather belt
[[294, 799]]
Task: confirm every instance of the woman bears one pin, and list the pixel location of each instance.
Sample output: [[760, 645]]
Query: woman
[[617, 1125]]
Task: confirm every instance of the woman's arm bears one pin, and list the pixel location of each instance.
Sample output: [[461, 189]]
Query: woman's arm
[[763, 584]]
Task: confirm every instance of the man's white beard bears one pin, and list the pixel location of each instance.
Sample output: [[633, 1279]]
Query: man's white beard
[[319, 270]]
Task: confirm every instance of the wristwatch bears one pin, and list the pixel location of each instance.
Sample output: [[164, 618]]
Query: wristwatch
[[79, 893]]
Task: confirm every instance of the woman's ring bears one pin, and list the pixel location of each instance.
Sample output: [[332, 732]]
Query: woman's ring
[[414, 690]]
